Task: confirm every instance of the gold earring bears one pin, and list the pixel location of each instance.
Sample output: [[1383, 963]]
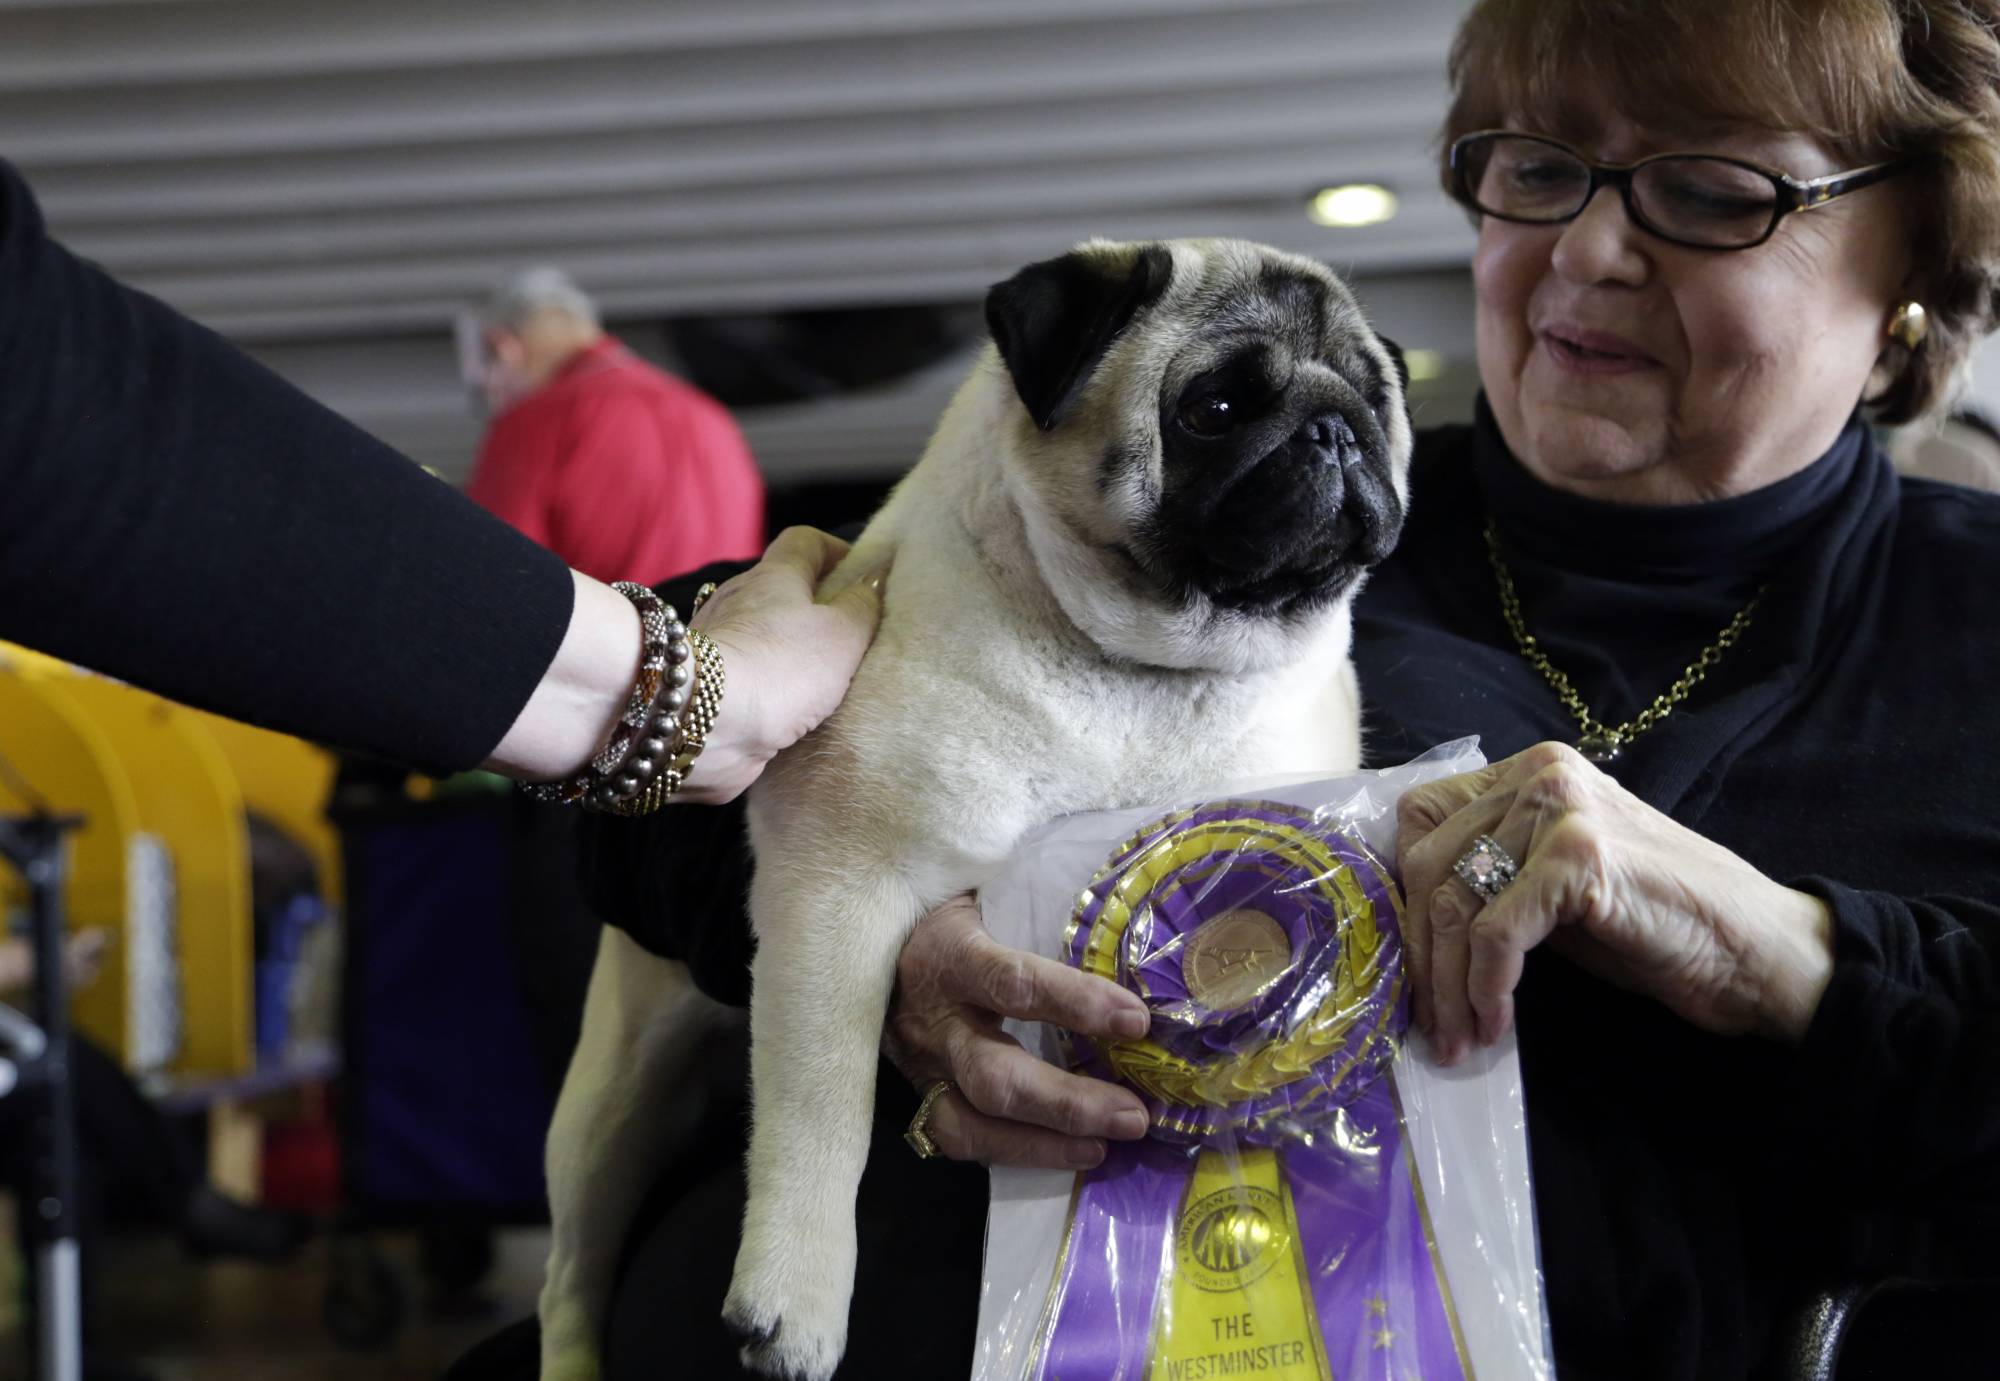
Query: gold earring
[[1909, 325]]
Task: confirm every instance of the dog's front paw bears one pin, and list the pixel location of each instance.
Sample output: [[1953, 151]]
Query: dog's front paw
[[786, 1342], [787, 1306], [570, 1364], [569, 1342]]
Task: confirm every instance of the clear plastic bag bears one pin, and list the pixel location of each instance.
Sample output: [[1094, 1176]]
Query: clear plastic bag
[[1316, 1199]]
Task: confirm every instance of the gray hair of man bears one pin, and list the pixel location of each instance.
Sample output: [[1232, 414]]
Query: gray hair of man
[[533, 291]]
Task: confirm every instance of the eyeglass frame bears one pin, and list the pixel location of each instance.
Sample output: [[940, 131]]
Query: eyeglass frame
[[1793, 194]]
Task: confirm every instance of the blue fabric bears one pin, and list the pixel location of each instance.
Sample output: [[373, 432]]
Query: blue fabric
[[447, 1102]]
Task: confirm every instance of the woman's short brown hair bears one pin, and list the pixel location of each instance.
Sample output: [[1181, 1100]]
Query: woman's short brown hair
[[1874, 79]]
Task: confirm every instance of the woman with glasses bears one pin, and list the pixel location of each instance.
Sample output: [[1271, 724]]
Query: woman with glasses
[[1734, 874]]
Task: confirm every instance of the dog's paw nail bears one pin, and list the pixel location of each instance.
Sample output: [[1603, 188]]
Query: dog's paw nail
[[749, 1333]]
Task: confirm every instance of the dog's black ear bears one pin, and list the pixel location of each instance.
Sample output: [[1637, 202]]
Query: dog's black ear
[[1053, 321]]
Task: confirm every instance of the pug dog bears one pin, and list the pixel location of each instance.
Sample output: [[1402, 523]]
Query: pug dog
[[1121, 575]]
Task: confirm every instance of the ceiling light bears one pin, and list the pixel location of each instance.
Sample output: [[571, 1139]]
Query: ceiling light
[[1352, 204]]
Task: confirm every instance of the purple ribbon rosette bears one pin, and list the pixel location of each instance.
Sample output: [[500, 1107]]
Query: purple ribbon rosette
[[1272, 1224]]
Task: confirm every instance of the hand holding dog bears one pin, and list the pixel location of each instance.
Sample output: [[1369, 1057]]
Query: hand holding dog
[[954, 984], [1618, 888], [788, 655]]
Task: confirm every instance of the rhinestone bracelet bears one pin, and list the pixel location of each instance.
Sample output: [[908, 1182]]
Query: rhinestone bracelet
[[650, 723]]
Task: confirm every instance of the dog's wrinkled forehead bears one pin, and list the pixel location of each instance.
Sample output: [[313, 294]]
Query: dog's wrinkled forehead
[[1227, 296], [1121, 321]]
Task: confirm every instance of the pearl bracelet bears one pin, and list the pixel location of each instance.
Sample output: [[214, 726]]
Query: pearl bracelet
[[650, 723], [696, 722]]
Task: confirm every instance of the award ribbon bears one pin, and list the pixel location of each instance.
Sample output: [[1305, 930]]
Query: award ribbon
[[1272, 1224]]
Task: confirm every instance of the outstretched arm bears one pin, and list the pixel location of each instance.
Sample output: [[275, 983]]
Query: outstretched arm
[[177, 516]]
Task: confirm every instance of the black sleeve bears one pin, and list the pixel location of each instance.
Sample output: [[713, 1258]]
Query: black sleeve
[[678, 881], [1897, 1089], [175, 515]]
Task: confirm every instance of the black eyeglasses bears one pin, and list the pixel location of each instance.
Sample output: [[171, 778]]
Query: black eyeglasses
[[1703, 201]]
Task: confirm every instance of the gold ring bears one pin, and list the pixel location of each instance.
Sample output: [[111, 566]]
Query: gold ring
[[919, 1135]]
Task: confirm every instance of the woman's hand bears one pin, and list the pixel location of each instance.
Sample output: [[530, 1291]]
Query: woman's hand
[[787, 656], [1615, 886], [954, 983]]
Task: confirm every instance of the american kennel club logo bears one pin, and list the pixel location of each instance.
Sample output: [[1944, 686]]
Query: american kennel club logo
[[1231, 1238]]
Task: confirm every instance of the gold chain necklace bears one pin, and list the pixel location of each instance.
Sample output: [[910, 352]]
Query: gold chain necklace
[[1600, 742]]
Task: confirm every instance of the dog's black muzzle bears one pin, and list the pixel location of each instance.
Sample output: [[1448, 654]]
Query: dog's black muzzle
[[1279, 526]]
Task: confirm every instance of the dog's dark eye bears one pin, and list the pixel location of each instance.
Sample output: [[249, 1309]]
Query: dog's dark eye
[[1208, 416]]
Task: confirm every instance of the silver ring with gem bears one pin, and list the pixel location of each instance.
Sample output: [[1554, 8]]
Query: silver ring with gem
[[1486, 868]]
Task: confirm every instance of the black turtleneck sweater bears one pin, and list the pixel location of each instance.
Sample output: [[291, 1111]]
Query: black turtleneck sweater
[[1690, 1189]]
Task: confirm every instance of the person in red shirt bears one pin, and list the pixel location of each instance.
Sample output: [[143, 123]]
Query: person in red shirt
[[625, 472]]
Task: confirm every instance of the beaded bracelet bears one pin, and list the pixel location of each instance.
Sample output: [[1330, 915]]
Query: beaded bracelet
[[650, 722], [693, 737]]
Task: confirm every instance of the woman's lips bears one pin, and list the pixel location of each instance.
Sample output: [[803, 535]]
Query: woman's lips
[[1578, 351]]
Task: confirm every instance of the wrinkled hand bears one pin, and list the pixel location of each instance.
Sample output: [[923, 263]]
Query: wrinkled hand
[[954, 983], [787, 656], [1620, 889]]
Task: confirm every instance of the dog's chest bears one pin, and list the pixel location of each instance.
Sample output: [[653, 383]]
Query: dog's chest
[[995, 718]]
